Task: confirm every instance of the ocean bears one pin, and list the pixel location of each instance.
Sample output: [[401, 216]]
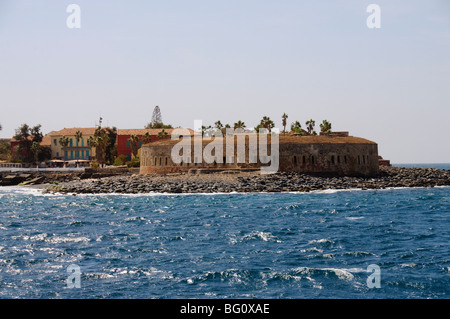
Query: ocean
[[321, 244], [445, 166]]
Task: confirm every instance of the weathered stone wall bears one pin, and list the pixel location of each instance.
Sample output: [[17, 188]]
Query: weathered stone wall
[[340, 156], [340, 159]]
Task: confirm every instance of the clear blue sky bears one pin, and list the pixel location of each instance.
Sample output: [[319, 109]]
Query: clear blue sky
[[233, 60]]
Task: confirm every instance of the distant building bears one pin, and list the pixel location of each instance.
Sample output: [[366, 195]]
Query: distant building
[[340, 155], [76, 150], [123, 138]]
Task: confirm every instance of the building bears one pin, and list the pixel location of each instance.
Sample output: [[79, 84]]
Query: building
[[123, 139], [340, 155], [76, 150]]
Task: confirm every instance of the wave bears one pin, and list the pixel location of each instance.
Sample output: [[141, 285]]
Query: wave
[[35, 190], [309, 276], [321, 241], [354, 218], [255, 235]]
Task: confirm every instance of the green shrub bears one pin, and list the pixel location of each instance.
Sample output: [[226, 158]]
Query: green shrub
[[120, 160], [94, 164], [135, 162]]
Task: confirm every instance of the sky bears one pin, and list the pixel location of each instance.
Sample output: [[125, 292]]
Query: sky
[[233, 60]]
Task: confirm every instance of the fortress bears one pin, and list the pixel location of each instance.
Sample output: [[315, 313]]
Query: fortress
[[338, 154]]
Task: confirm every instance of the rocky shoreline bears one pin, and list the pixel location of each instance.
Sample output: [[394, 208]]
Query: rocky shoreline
[[388, 177]]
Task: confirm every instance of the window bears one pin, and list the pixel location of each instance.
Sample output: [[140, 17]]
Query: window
[[359, 160], [71, 154], [87, 154], [295, 159], [364, 159], [345, 159], [55, 142], [57, 154], [71, 142], [128, 144], [304, 159], [312, 159], [155, 161], [332, 159], [82, 142], [166, 161], [339, 159], [66, 155]]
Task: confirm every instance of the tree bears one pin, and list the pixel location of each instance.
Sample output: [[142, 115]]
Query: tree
[[162, 134], [64, 141], [156, 116], [284, 118], [100, 141], [35, 147], [325, 128], [156, 121], [111, 145], [26, 135], [239, 124], [134, 143], [310, 127], [147, 138], [218, 125], [296, 127], [206, 130], [267, 123], [78, 137]]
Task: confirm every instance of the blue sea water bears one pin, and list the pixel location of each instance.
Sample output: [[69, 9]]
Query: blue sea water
[[445, 166], [254, 245]]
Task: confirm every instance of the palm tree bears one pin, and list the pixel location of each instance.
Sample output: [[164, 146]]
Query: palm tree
[[206, 130], [162, 134], [78, 137], [147, 138], [296, 127], [134, 143], [64, 142], [239, 124], [35, 148], [100, 141], [284, 118], [267, 123], [325, 128], [310, 127], [92, 142], [218, 125]]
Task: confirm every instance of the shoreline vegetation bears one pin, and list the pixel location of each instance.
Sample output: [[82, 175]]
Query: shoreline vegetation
[[389, 177]]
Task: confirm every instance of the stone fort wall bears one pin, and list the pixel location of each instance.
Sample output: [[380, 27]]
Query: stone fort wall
[[325, 155]]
